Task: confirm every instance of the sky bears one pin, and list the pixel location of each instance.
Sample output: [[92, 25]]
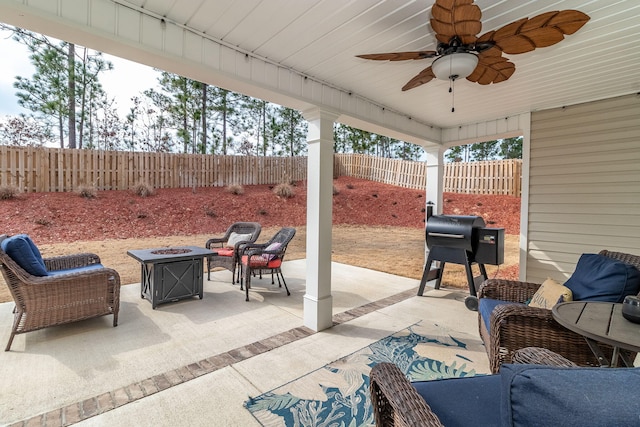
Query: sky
[[127, 78]]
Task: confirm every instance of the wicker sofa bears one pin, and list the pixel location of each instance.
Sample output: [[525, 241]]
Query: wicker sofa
[[515, 326], [522, 394], [74, 287]]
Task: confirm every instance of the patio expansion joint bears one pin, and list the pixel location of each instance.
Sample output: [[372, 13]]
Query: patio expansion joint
[[96, 405]]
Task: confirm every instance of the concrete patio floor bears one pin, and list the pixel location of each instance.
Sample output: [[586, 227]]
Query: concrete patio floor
[[195, 362]]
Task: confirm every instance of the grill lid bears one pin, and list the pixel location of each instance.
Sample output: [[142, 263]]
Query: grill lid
[[454, 231]]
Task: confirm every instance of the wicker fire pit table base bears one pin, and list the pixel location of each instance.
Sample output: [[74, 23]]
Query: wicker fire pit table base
[[171, 274]]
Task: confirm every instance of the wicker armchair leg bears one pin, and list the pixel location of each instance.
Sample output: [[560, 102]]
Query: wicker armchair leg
[[16, 321], [8, 347]]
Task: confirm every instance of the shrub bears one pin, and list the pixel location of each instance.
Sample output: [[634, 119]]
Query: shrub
[[87, 191], [236, 189], [143, 189], [42, 221], [8, 192], [208, 211], [284, 190]]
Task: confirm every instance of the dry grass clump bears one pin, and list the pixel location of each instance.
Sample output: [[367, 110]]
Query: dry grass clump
[[284, 190], [236, 189], [143, 189], [87, 191], [8, 192]]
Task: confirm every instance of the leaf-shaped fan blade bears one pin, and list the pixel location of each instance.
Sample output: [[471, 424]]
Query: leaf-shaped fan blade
[[425, 76], [399, 56], [456, 18], [543, 30], [492, 68]]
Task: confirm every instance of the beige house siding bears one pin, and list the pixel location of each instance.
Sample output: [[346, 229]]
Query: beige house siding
[[584, 184]]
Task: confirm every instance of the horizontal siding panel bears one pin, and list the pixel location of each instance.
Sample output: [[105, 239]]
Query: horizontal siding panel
[[589, 199], [577, 208], [588, 240], [625, 187], [594, 215], [605, 230], [625, 175], [584, 184]]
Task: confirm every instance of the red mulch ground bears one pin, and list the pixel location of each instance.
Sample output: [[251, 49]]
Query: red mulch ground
[[66, 217]]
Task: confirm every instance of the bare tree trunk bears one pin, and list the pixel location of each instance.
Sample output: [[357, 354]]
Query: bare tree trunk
[[72, 95], [204, 118]]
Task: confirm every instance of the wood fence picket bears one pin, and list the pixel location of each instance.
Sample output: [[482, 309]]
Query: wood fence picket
[[32, 169]]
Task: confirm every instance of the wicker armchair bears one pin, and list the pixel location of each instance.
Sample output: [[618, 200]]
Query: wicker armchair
[[79, 290], [268, 256], [226, 257], [515, 326], [396, 402]]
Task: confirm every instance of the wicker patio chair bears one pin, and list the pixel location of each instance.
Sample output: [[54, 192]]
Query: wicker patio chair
[[226, 251], [268, 256], [78, 288], [516, 326], [397, 403]]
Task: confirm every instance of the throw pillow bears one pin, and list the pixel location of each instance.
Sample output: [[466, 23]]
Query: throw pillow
[[25, 253], [549, 294], [235, 238], [272, 247], [600, 278]]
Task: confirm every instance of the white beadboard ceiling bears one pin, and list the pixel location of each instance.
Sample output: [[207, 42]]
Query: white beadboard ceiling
[[320, 39]]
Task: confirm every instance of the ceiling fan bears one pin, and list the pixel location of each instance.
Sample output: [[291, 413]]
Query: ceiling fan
[[462, 54]]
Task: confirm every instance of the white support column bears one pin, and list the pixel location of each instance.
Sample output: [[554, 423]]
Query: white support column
[[435, 177], [318, 302], [435, 182]]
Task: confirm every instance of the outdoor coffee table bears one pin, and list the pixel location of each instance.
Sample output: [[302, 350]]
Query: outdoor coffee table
[[170, 274], [600, 322]]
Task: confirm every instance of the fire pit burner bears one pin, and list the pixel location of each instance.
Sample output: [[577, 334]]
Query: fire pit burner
[[171, 251]]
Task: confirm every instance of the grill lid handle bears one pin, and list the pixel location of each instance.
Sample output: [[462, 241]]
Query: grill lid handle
[[451, 236]]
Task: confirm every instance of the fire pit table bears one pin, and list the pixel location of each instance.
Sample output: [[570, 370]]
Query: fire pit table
[[170, 274]]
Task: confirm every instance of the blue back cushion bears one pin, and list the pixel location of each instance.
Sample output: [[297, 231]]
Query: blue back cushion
[[537, 395], [600, 278], [471, 401], [25, 253]]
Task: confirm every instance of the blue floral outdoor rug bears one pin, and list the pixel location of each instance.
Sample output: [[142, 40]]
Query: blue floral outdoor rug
[[337, 395]]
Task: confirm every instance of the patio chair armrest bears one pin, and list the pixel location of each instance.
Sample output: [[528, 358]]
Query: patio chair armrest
[[507, 290], [540, 356], [250, 248], [395, 401], [215, 240], [67, 262], [507, 319]]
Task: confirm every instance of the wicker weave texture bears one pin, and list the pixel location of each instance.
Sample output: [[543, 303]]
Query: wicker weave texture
[[47, 301], [397, 403], [231, 262], [517, 326]]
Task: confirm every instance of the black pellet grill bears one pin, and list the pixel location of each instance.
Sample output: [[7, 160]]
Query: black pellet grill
[[464, 240]]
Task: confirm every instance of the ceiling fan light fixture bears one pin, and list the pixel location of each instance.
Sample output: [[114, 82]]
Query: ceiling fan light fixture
[[454, 66]]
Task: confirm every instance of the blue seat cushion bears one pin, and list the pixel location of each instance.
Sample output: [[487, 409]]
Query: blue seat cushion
[[486, 306], [537, 395], [600, 278], [471, 401], [25, 253], [75, 270]]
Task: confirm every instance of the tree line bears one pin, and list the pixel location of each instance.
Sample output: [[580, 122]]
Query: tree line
[[68, 107]]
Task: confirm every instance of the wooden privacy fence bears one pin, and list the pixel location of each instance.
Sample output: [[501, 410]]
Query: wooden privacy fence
[[33, 169], [46, 169], [490, 177]]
